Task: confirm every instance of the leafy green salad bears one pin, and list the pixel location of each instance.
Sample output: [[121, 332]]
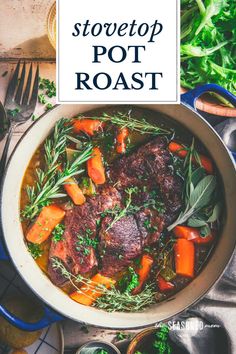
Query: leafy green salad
[[208, 43]]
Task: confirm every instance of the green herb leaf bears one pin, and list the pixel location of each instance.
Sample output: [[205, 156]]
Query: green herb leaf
[[203, 192], [199, 193], [205, 231], [57, 234], [215, 213], [35, 250], [195, 222], [113, 299], [127, 121], [50, 181]]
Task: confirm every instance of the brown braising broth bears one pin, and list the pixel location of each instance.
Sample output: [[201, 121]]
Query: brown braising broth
[[202, 252]]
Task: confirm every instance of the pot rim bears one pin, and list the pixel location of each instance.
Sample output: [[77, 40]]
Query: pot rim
[[85, 318]]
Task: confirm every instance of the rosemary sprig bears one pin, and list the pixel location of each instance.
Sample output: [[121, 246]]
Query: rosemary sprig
[[50, 180], [55, 146], [126, 121], [113, 299], [49, 189]]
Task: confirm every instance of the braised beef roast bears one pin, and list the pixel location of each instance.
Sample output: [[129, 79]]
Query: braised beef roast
[[91, 242]]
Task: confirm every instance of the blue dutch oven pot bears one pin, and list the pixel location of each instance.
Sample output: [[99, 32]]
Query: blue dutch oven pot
[[50, 316]]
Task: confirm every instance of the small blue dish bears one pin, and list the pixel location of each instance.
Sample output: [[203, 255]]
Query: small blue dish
[[98, 347]]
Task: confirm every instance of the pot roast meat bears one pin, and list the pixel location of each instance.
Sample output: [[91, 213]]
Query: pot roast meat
[[119, 244], [150, 166], [148, 162], [81, 223], [150, 224], [149, 169]]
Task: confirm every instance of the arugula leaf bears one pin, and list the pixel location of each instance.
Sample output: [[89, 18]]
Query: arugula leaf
[[208, 39], [212, 9], [197, 51]]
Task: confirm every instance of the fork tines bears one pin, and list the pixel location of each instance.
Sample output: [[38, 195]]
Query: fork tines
[[20, 93]]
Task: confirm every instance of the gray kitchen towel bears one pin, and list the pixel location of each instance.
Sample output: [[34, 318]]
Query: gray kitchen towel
[[217, 310]]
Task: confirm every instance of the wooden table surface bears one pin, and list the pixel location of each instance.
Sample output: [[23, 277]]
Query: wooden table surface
[[23, 32], [23, 35]]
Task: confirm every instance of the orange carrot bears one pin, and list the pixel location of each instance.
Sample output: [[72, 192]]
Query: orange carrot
[[89, 293], [191, 234], [89, 126], [74, 191], [95, 167], [121, 137], [184, 257], [164, 285], [181, 151], [143, 272], [48, 218], [177, 149]]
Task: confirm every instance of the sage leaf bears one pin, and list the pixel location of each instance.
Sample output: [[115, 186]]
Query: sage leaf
[[197, 175], [202, 194], [215, 213], [195, 222], [205, 231]]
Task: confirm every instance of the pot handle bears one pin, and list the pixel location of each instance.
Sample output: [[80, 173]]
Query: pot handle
[[189, 98], [49, 317], [3, 253]]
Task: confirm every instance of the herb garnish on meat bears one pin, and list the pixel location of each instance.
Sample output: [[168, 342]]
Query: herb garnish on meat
[[85, 241]]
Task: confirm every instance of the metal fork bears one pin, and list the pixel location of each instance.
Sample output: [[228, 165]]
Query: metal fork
[[19, 104]]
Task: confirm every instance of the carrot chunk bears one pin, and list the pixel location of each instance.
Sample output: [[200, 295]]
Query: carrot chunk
[[191, 234], [143, 272], [177, 149], [88, 126], [164, 285], [184, 257], [90, 293], [122, 135], [181, 151], [74, 191], [95, 167], [48, 218]]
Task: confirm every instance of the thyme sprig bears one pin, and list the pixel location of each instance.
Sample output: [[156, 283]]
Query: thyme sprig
[[113, 299], [127, 121], [120, 213], [117, 213], [50, 180]]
